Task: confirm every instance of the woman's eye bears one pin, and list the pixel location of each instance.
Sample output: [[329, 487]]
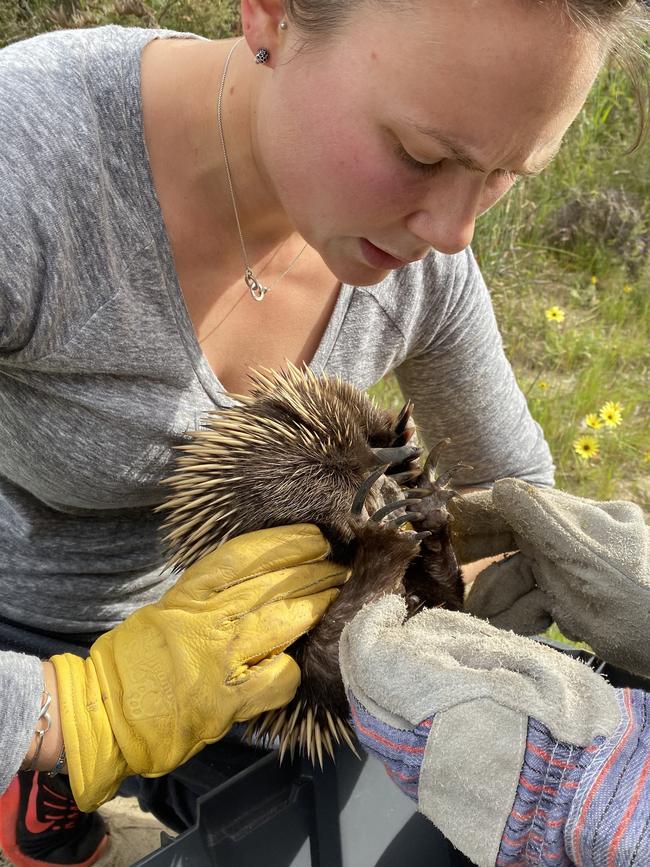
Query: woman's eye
[[423, 168]]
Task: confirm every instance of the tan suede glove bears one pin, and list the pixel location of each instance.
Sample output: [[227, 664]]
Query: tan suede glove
[[176, 675], [503, 743], [583, 564]]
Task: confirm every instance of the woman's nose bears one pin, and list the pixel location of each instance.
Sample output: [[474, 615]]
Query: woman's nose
[[448, 213]]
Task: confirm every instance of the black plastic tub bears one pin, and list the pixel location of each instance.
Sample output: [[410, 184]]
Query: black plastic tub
[[293, 815]]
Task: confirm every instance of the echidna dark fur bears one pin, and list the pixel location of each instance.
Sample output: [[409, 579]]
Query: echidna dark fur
[[304, 448]]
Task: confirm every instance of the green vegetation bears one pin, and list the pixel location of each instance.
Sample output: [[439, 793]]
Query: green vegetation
[[564, 255], [576, 238], [20, 19]]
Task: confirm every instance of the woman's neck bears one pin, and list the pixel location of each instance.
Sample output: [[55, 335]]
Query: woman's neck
[[180, 86]]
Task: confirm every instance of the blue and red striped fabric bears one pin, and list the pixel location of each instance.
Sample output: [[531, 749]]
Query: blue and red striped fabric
[[584, 806], [401, 751], [609, 823], [534, 832]]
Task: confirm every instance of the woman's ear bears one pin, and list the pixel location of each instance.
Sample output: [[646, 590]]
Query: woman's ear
[[261, 24]]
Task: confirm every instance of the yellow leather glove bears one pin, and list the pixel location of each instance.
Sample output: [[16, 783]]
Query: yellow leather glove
[[176, 675]]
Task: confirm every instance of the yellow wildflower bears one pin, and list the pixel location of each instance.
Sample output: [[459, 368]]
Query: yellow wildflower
[[592, 421], [586, 447], [627, 288], [646, 457], [554, 314], [543, 384], [594, 280], [610, 413]]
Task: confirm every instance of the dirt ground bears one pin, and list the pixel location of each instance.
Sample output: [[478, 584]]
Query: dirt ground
[[133, 834]]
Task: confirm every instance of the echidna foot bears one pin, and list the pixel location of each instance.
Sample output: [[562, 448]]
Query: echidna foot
[[431, 512], [407, 507]]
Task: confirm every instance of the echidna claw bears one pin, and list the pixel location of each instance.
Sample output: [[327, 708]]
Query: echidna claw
[[397, 455], [404, 417], [414, 604], [404, 519], [406, 476], [364, 489], [391, 507], [417, 537], [442, 480], [404, 429], [431, 463]]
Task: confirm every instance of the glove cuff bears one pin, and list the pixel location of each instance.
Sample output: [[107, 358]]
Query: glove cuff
[[400, 750], [550, 774], [96, 766], [610, 812]]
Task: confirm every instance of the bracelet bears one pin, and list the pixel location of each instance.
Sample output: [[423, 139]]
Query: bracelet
[[41, 732], [58, 764]]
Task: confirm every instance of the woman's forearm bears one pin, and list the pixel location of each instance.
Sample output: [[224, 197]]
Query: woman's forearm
[[469, 572]]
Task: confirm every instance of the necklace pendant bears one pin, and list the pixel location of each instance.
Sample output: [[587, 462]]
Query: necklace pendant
[[257, 289]]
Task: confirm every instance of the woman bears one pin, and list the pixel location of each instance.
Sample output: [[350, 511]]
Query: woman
[[340, 156]]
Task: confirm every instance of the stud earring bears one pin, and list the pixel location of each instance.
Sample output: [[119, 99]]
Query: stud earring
[[262, 56], [283, 25]]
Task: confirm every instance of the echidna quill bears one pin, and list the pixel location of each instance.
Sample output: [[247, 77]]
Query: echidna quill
[[304, 448]]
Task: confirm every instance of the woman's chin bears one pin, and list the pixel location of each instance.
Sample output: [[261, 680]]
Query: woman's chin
[[355, 273]]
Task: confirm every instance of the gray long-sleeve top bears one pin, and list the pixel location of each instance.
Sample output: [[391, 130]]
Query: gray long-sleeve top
[[100, 368]]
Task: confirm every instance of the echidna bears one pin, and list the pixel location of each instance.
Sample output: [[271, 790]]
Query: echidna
[[304, 448]]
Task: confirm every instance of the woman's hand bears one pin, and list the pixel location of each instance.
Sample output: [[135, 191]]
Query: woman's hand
[[176, 675], [514, 751], [583, 564]]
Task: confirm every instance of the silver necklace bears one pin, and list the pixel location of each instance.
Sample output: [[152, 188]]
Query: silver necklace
[[258, 290]]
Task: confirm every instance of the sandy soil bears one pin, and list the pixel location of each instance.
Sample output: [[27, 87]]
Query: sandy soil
[[133, 834]]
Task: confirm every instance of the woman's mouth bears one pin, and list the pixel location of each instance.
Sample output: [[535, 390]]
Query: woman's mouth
[[379, 258]]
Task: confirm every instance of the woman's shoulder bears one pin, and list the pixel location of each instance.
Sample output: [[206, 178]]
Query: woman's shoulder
[[53, 80], [52, 87], [62, 98], [71, 45], [66, 53], [434, 290], [71, 163]]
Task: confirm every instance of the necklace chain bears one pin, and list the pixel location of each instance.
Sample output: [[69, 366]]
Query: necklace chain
[[258, 290]]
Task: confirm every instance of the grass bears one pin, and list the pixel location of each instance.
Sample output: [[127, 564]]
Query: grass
[[20, 19]]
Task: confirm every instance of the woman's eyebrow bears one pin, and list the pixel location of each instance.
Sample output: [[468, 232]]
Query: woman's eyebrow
[[462, 157]]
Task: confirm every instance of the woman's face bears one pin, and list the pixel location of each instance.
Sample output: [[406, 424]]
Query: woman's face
[[394, 136]]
